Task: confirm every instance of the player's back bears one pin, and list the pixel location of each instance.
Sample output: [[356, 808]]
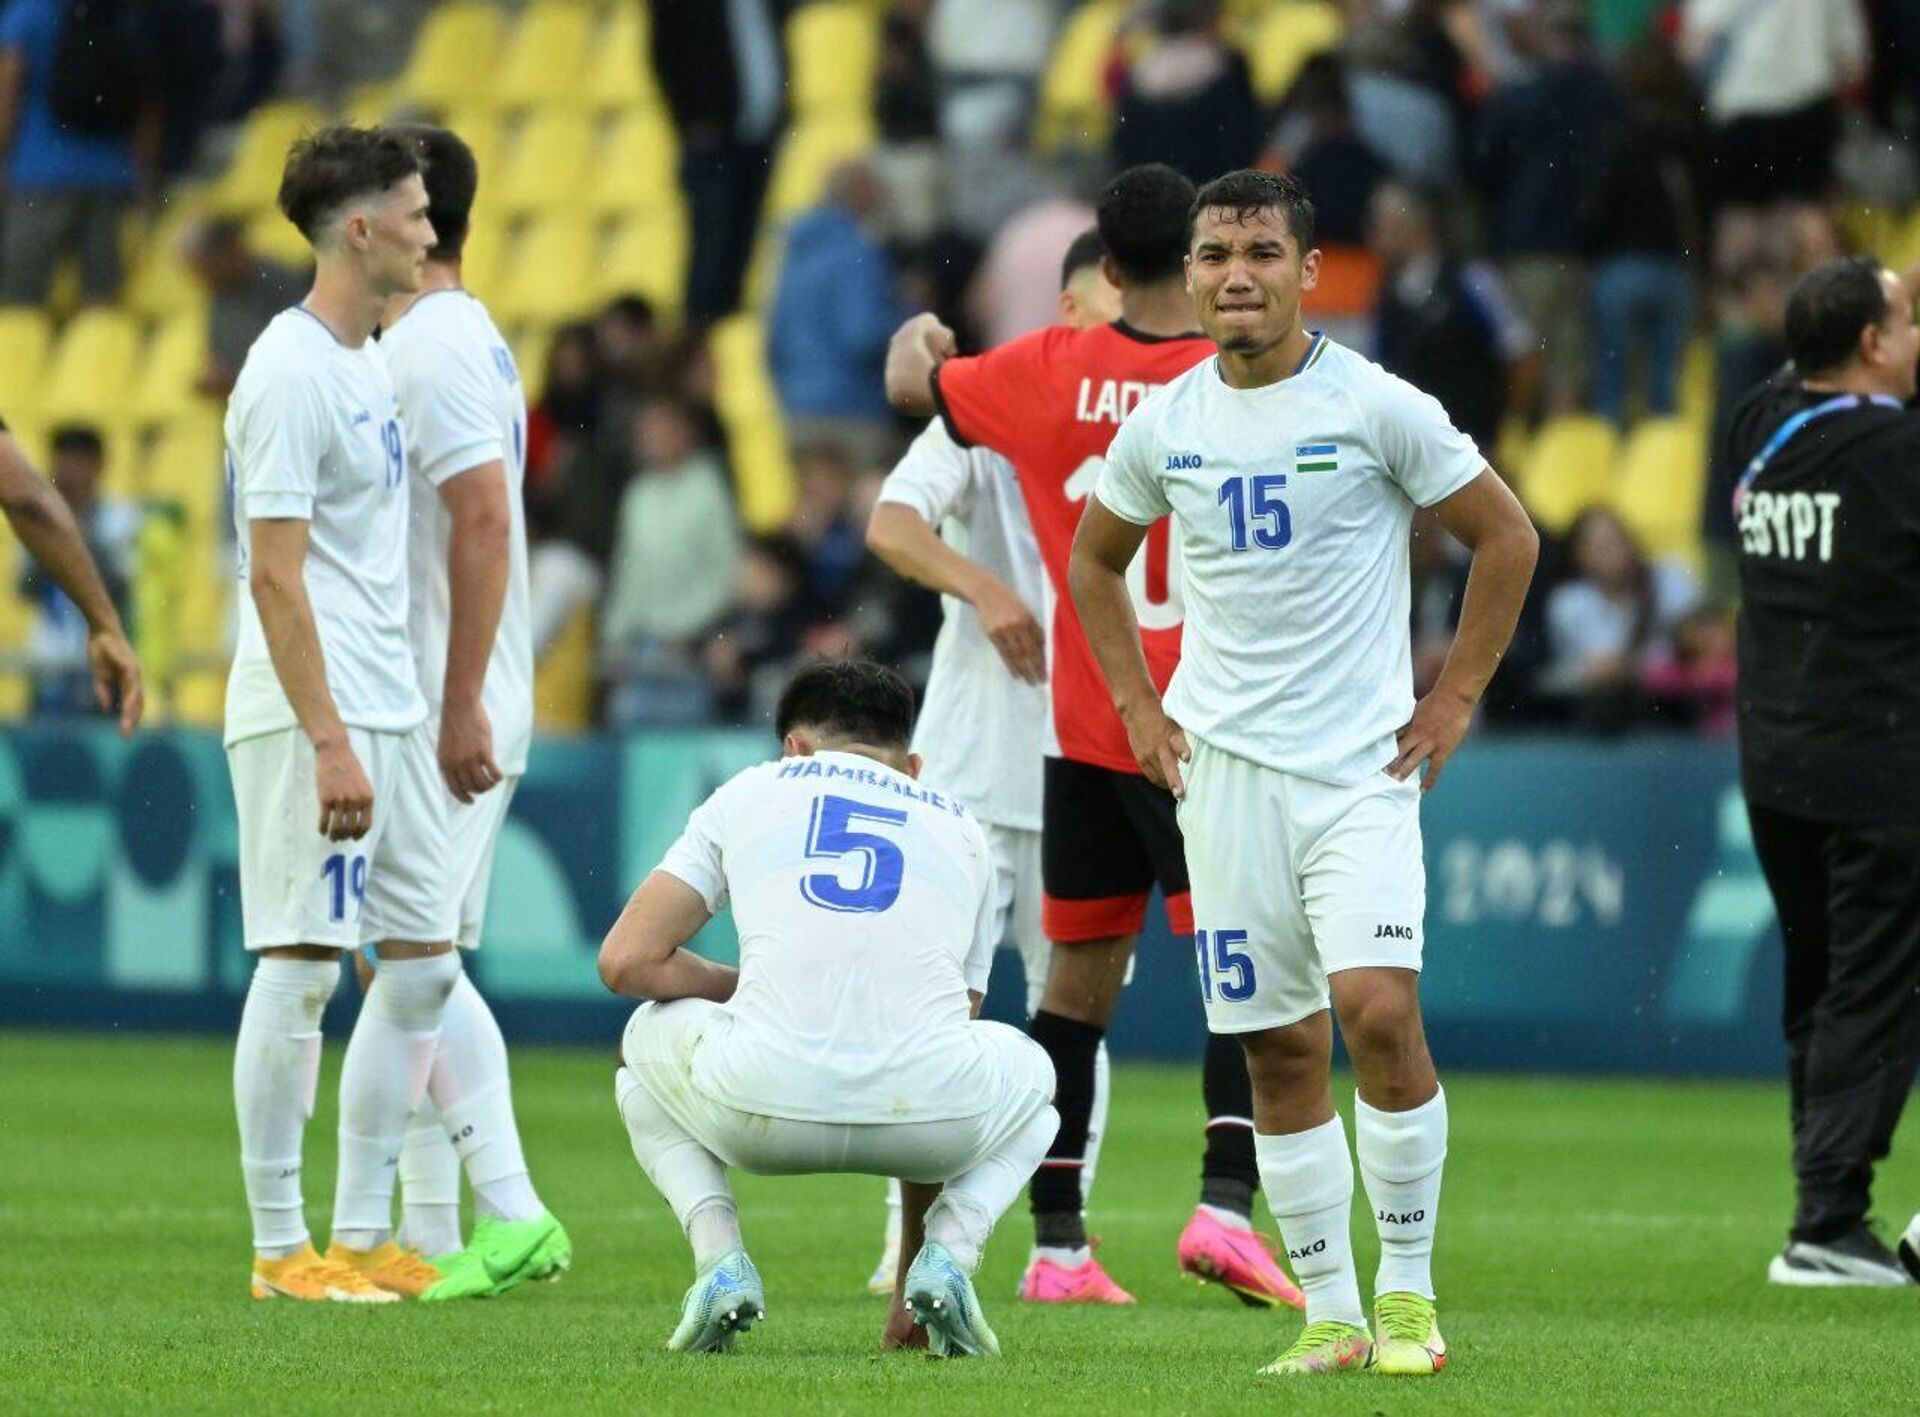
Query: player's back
[[862, 904], [463, 404], [1051, 402]]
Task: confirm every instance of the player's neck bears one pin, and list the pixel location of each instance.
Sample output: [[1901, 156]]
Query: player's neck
[[1277, 361], [341, 301], [435, 276], [1163, 309], [1858, 379], [894, 758]]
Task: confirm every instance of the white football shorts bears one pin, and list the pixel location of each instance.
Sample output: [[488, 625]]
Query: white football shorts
[[299, 888], [473, 834], [1293, 880]]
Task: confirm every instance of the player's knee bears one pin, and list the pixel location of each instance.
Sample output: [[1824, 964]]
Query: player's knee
[[1382, 1029], [1280, 1060]]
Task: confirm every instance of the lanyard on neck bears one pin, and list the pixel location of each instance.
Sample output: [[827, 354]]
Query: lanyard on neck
[[1784, 434]]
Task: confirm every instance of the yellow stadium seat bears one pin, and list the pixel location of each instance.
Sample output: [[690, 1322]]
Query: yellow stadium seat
[[457, 43], [1663, 476], [252, 177], [1904, 254], [833, 47], [1282, 41], [160, 283], [545, 57], [549, 275], [1569, 468], [620, 72], [648, 256], [484, 256], [763, 475], [92, 373], [808, 157], [1074, 109], [548, 164], [187, 467], [25, 337], [1697, 380], [563, 680], [530, 345], [481, 130], [169, 374], [368, 105], [271, 235], [742, 386], [638, 164]]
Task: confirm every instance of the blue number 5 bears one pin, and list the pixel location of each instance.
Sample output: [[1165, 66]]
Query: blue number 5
[[1224, 960], [1267, 506], [830, 836]]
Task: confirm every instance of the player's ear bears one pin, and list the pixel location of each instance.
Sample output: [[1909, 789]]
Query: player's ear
[[914, 763], [797, 744], [1069, 308], [1310, 269], [1186, 265]]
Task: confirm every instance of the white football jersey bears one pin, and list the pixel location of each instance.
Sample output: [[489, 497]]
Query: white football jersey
[[981, 731], [1293, 504], [864, 906], [313, 434], [462, 404]]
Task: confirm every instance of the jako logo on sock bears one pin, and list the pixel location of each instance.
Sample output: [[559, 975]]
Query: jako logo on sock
[[1412, 1217], [1318, 1247]]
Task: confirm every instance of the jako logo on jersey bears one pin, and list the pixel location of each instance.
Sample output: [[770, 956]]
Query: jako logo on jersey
[[1316, 457], [1114, 401], [1789, 524], [1318, 1247], [1393, 932], [1181, 461], [362, 417], [1411, 1217]]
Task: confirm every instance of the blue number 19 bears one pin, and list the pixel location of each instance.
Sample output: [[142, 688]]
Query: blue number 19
[[343, 877], [1266, 507], [830, 836]]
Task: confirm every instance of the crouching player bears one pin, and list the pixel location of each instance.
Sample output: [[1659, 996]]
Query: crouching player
[[846, 1041]]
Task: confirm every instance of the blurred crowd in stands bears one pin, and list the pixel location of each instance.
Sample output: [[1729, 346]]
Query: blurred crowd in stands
[[1531, 208]]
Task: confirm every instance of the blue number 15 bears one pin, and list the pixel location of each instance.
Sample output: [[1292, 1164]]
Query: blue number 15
[[1229, 969], [830, 836], [1263, 493]]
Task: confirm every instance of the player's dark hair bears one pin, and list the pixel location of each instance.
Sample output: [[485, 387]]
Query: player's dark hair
[[1828, 307], [1248, 192], [452, 177], [80, 439], [1143, 220], [856, 699], [329, 168], [1087, 250]]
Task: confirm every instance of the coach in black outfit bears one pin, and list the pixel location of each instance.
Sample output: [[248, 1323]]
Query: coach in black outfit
[[1826, 458]]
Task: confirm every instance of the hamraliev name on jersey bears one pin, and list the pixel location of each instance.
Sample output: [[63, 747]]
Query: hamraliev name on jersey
[[1109, 400], [1789, 525]]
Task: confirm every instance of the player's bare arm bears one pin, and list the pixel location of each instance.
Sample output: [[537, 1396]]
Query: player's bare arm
[[907, 542], [279, 589], [478, 561], [1489, 520], [1103, 548], [42, 520], [918, 347], [644, 954]]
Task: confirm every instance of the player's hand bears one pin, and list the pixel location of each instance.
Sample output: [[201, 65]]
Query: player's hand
[[1439, 722], [466, 751], [936, 338], [1014, 632], [1159, 746], [116, 677], [901, 1331], [346, 796]]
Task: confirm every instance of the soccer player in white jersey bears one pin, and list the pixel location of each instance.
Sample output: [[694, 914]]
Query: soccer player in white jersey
[[465, 417], [341, 827], [1292, 467], [951, 519], [848, 1038]]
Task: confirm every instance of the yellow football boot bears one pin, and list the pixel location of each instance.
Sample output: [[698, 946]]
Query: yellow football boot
[[305, 1275], [1407, 1341], [402, 1273]]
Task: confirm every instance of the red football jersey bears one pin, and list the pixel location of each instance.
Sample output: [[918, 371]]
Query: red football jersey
[[1050, 403]]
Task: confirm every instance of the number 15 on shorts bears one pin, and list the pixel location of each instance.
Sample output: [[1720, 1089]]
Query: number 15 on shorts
[[1225, 968]]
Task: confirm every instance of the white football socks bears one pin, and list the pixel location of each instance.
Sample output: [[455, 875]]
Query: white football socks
[[1096, 1121], [429, 1185], [1401, 1157], [1309, 1182], [471, 1087], [276, 1066], [972, 1203], [691, 1179], [381, 1082]]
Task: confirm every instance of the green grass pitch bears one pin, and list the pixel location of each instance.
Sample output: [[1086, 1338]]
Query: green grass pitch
[[1602, 1246]]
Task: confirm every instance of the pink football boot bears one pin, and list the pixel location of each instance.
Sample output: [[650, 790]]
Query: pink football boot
[[1243, 1260], [1047, 1282]]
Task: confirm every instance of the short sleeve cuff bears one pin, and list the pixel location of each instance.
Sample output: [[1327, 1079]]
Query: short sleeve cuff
[[464, 458], [708, 884], [1471, 465], [903, 493], [278, 506], [1113, 502]]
